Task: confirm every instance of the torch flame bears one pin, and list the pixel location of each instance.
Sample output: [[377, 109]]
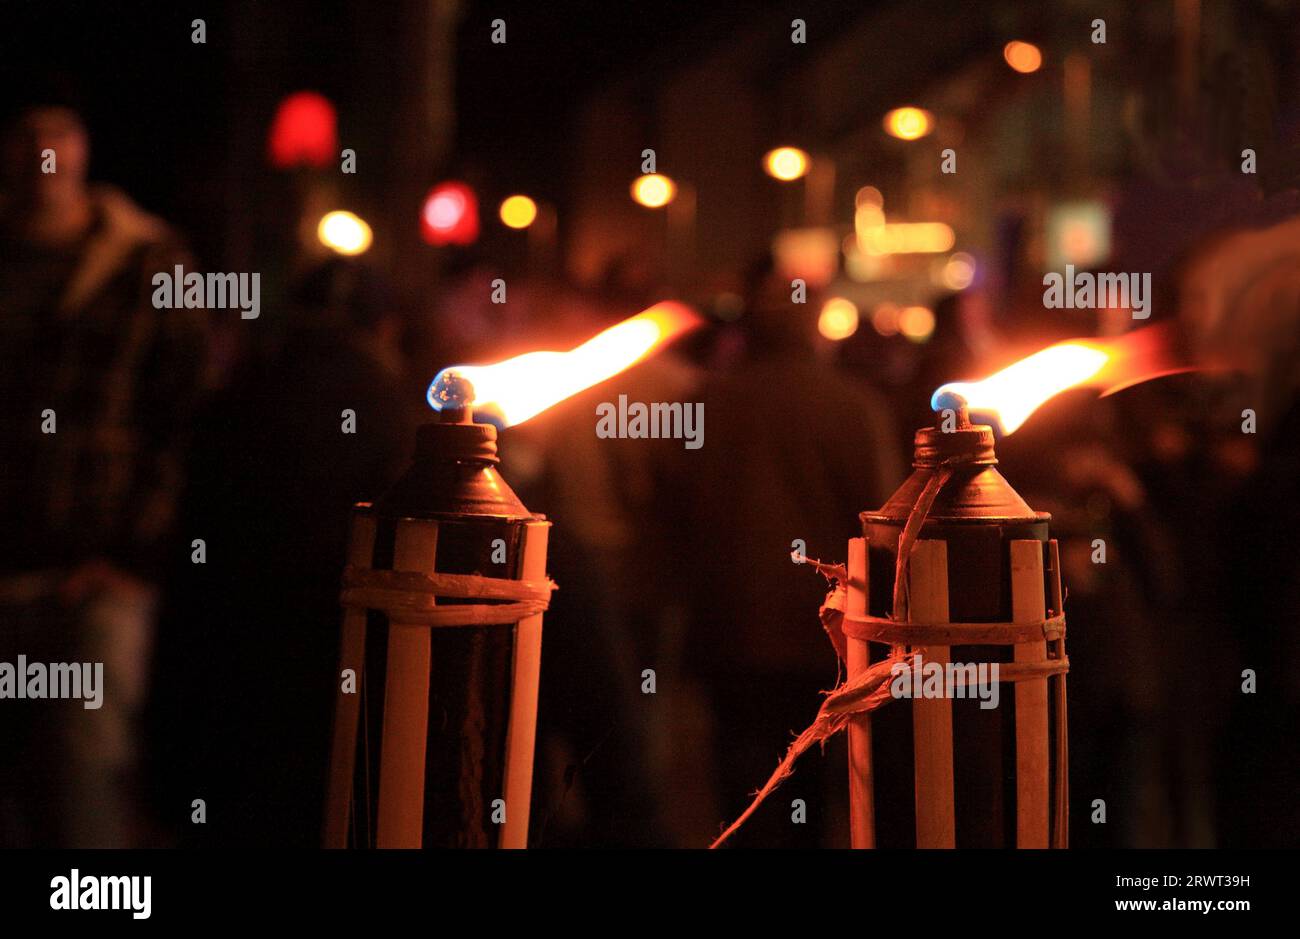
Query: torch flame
[[1017, 391], [524, 386]]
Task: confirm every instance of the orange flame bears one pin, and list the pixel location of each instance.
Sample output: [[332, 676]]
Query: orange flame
[[1018, 390], [522, 387]]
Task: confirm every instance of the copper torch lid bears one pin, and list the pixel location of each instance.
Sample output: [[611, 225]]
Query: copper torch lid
[[454, 472], [977, 492]]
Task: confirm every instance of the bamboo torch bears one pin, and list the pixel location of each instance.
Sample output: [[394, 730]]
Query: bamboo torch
[[975, 570], [957, 570], [443, 600], [443, 596]]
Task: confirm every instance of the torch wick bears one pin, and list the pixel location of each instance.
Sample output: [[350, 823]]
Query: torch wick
[[962, 414], [460, 415], [950, 400]]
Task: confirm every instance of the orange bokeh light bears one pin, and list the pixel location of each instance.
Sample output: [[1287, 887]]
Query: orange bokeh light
[[909, 123], [654, 190], [884, 319], [916, 323], [838, 319], [1024, 57]]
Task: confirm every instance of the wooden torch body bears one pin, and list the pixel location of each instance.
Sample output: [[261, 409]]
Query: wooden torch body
[[982, 586], [442, 623]]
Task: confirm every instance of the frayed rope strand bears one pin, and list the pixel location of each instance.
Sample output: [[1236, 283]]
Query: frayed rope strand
[[864, 693], [832, 572], [868, 690]]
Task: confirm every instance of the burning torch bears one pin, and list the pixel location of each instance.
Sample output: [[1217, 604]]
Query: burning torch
[[956, 569], [980, 584], [443, 596]]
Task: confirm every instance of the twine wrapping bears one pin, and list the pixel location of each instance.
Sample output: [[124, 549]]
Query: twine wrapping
[[410, 598], [878, 629], [911, 531]]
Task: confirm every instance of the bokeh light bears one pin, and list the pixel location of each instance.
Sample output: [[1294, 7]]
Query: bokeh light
[[345, 233], [654, 190], [909, 123], [518, 211], [958, 271], [900, 237], [916, 323], [1024, 57], [786, 163], [450, 215], [868, 197], [838, 319], [303, 132], [884, 319]]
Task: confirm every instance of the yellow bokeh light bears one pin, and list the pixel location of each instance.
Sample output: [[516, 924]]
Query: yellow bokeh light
[[916, 323], [901, 237], [345, 233], [654, 190], [518, 212], [838, 319], [909, 123], [1024, 57], [786, 163]]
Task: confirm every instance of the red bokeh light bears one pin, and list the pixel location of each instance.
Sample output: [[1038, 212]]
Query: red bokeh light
[[449, 215], [304, 131]]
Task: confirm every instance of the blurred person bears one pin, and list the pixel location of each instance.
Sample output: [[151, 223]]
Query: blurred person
[[468, 323], [246, 672], [97, 388], [1210, 765], [1166, 477], [1239, 306], [793, 450]]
